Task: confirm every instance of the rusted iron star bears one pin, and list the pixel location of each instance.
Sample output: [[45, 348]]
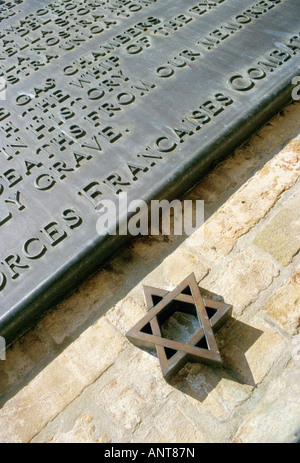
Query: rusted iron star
[[161, 305]]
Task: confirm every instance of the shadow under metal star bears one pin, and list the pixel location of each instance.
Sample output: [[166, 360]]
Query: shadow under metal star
[[201, 346]]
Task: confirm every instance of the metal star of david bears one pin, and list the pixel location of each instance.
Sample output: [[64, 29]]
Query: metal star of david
[[185, 298]]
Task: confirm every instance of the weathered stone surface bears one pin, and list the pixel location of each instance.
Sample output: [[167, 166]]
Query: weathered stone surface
[[276, 419], [126, 313], [249, 204], [180, 265], [169, 425], [211, 389], [284, 306], [22, 358], [149, 247], [60, 383], [82, 433], [278, 132], [281, 237], [243, 278], [131, 388], [226, 175], [249, 351], [73, 312]]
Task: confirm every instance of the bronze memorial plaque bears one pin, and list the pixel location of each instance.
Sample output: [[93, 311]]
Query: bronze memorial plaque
[[103, 97]]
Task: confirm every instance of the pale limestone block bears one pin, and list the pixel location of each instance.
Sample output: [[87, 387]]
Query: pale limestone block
[[127, 313], [225, 176], [248, 205], [169, 426], [132, 388], [249, 351], [211, 389], [243, 278], [60, 382], [74, 311], [275, 134], [281, 236], [180, 265], [284, 306], [83, 432], [276, 419]]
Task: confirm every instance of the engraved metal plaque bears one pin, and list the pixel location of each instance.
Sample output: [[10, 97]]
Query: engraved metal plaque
[[99, 97]]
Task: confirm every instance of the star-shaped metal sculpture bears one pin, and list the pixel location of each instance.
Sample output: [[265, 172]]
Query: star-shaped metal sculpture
[[161, 305]]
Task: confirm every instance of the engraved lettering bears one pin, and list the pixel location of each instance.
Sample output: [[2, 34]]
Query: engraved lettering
[[44, 182], [16, 201], [113, 181], [30, 251], [73, 219], [5, 216], [12, 177], [165, 145], [53, 233], [92, 193], [11, 263], [3, 281]]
